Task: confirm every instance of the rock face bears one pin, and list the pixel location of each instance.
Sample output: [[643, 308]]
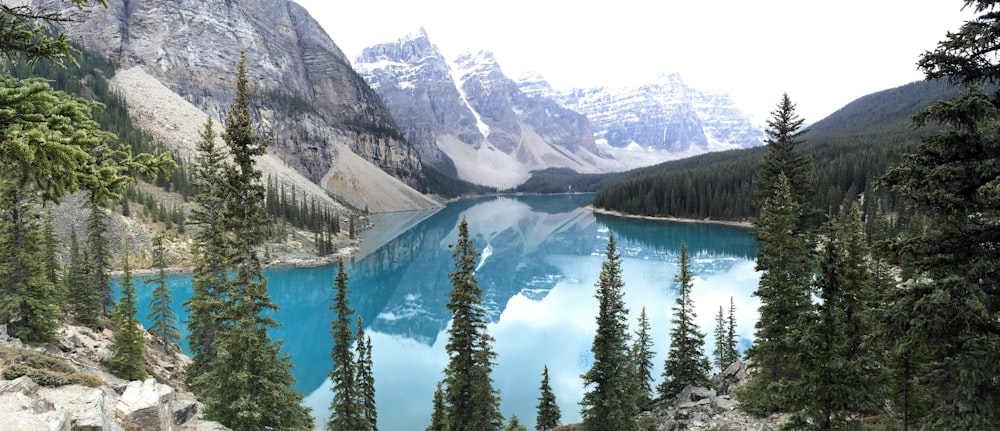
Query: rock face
[[470, 120], [307, 96], [664, 115]]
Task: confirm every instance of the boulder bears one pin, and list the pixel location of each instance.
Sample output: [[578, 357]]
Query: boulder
[[21, 385], [183, 410], [146, 405], [94, 416]]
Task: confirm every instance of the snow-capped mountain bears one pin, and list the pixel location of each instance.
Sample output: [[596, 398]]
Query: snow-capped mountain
[[664, 114], [467, 118]]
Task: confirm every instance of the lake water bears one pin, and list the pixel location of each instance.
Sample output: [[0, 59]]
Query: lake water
[[541, 256]]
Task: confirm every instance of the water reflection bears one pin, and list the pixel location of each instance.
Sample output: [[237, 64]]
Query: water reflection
[[541, 256]]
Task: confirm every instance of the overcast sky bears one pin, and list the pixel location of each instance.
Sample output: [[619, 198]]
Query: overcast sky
[[823, 54]]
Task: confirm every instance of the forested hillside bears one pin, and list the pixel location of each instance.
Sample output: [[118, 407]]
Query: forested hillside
[[850, 148]]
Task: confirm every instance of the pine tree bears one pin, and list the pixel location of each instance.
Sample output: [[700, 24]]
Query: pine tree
[[127, 350], [439, 419], [50, 253], [470, 399], [514, 424], [99, 256], [642, 356], [28, 297], [784, 256], [686, 364], [248, 384], [366, 379], [784, 137], [83, 300], [548, 410], [730, 353], [212, 251], [955, 300], [164, 326], [345, 407], [837, 381], [718, 353], [609, 403]]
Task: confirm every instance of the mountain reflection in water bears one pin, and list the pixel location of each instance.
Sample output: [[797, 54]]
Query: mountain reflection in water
[[540, 257]]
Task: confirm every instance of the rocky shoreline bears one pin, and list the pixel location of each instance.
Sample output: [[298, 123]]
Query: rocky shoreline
[[743, 224]]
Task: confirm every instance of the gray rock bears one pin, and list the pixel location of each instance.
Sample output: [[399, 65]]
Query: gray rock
[[306, 93], [183, 410], [21, 385], [94, 416], [146, 405]]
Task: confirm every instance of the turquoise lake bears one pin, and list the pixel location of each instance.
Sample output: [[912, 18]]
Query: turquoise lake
[[540, 258]]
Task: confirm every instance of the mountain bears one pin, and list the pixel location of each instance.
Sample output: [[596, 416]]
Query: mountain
[[850, 149], [664, 115], [318, 112], [468, 119]]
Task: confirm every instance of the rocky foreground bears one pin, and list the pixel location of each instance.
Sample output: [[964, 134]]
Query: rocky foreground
[[65, 386]]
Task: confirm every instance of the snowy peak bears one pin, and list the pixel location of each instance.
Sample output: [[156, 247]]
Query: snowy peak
[[468, 119], [664, 114]]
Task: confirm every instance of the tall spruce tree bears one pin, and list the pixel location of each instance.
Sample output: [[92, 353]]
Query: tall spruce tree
[[366, 379], [953, 183], [128, 347], [784, 157], [211, 247], [471, 401], [785, 257], [731, 354], [248, 383], [548, 410], [686, 363], [609, 403], [164, 326], [720, 340], [642, 356], [345, 407], [99, 256], [83, 301], [28, 297], [838, 366]]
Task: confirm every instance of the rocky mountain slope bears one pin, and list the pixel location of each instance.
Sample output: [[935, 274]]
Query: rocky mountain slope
[[470, 120], [307, 97], [664, 114]]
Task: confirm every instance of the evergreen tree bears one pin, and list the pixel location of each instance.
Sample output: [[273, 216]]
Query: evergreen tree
[[784, 256], [248, 384], [365, 379], [127, 350], [731, 354], [955, 300], [345, 407], [686, 364], [212, 250], [514, 424], [609, 403], [720, 340], [164, 326], [784, 157], [99, 256], [470, 399], [548, 411], [84, 302], [642, 356], [50, 253], [28, 297], [439, 419], [782, 191], [837, 381]]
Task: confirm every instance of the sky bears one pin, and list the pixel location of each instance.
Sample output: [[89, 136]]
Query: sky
[[823, 54]]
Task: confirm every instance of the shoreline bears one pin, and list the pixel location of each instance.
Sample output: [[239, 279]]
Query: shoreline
[[741, 224]]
